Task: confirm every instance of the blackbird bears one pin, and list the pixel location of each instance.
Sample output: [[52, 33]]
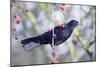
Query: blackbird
[[61, 34]]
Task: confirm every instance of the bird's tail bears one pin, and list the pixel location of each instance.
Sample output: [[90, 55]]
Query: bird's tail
[[26, 41], [28, 45]]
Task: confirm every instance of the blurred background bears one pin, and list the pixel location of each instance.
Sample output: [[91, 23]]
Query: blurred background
[[30, 19]]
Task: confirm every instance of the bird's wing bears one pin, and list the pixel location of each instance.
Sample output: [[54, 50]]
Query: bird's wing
[[45, 38], [42, 39], [30, 43]]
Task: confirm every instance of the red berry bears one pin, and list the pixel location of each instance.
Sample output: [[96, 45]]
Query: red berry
[[63, 4], [61, 26], [54, 61], [26, 10], [17, 21], [49, 30], [62, 8]]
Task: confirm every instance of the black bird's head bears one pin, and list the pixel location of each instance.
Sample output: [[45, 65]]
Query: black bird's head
[[72, 24]]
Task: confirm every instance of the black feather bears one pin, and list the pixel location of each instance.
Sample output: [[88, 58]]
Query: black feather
[[61, 35]]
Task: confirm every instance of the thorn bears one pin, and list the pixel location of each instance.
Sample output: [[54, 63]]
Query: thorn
[[16, 38], [15, 16], [54, 54], [51, 45], [14, 30]]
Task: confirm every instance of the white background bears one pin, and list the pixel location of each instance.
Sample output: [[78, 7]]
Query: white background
[[5, 33]]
